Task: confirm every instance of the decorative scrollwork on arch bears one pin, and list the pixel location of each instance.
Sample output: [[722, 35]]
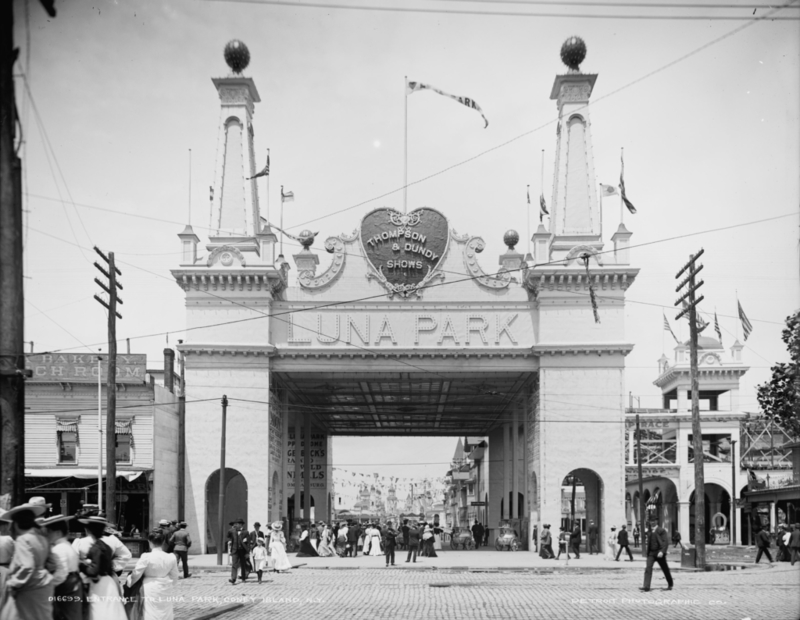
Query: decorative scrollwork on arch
[[475, 246], [579, 251], [335, 246], [224, 255]]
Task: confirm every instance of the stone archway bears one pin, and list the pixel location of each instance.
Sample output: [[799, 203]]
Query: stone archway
[[235, 506], [586, 506]]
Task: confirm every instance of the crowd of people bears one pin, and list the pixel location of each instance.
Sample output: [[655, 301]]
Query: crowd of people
[[44, 576]]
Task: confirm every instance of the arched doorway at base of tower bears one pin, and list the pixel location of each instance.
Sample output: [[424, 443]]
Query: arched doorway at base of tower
[[581, 499], [717, 501], [234, 507], [290, 507]]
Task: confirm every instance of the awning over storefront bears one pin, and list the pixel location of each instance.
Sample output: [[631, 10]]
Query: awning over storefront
[[67, 425], [776, 494], [69, 472]]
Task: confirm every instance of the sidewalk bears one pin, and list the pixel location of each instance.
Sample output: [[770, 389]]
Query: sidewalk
[[483, 559]]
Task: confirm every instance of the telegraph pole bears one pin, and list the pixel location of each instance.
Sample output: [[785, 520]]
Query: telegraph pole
[[690, 308], [221, 507], [111, 379], [641, 486]]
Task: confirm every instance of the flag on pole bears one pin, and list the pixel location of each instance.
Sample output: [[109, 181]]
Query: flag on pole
[[287, 197], [607, 190], [747, 326], [716, 327], [668, 328], [211, 193], [627, 202], [470, 103], [542, 207], [264, 172], [699, 322]]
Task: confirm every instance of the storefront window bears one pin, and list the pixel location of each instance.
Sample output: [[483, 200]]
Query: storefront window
[[67, 447], [123, 448]]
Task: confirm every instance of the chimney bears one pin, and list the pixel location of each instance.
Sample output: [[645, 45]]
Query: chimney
[[169, 369]]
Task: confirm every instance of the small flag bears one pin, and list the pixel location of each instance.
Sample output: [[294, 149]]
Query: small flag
[[668, 328], [211, 193], [607, 190], [264, 172], [287, 197], [412, 87], [542, 208], [747, 326], [716, 327], [627, 202]]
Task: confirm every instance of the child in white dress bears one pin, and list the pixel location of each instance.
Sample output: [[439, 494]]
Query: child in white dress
[[260, 558]]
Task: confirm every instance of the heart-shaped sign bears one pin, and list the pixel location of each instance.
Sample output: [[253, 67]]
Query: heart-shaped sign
[[405, 250]]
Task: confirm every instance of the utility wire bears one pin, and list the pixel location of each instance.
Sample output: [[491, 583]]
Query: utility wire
[[496, 13]]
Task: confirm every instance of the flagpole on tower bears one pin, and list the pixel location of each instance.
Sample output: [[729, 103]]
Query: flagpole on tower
[[621, 203], [529, 218], [282, 233], [268, 221], [405, 144], [190, 188]]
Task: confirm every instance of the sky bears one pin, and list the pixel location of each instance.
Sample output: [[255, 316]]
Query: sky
[[114, 95]]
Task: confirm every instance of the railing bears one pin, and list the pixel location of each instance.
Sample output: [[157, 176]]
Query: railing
[[656, 452]]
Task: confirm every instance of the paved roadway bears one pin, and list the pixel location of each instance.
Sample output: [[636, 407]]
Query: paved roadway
[[363, 589]]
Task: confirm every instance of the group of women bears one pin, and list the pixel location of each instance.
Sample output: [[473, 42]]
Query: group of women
[[43, 576]]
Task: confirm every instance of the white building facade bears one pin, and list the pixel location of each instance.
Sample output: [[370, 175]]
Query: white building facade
[[516, 356]]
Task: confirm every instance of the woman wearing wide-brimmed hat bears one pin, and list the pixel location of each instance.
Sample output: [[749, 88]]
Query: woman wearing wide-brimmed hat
[[105, 597], [159, 573], [69, 592], [29, 585], [277, 547]]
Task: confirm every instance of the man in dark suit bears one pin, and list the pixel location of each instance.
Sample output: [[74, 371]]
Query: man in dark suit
[[794, 543], [239, 545], [413, 543], [622, 539], [477, 533], [389, 535], [404, 530], [657, 543], [353, 534], [592, 533], [575, 541], [763, 542]]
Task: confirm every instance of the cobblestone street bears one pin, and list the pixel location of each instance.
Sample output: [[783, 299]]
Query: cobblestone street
[[418, 594]]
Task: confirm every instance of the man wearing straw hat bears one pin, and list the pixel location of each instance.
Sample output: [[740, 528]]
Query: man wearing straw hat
[[69, 593], [29, 587]]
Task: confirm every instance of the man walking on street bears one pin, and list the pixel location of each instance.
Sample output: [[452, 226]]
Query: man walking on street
[[575, 541], [239, 540], [622, 539], [477, 533], [763, 542], [592, 532], [353, 534], [794, 543], [657, 544], [413, 543], [181, 542]]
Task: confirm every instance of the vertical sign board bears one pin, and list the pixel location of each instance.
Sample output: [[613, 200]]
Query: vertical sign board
[[275, 495], [319, 460]]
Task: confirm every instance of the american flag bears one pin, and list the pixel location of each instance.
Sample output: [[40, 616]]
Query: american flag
[[747, 326], [668, 328], [716, 327], [627, 202]]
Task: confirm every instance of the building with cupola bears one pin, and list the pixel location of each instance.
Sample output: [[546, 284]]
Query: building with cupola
[[741, 450]]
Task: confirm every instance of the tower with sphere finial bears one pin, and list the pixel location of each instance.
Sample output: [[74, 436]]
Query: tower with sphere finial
[[234, 206], [575, 216]]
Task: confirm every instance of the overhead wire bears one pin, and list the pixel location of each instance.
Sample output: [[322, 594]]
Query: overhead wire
[[496, 13]]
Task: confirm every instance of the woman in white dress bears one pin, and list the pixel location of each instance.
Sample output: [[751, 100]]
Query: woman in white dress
[[326, 543], [375, 541], [159, 572], [277, 547], [611, 545]]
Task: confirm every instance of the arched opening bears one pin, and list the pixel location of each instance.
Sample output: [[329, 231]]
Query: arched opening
[[520, 505], [234, 506], [581, 500], [290, 503], [717, 501]]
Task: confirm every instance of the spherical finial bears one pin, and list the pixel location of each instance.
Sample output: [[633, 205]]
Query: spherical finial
[[306, 238], [237, 55], [573, 52], [511, 238]]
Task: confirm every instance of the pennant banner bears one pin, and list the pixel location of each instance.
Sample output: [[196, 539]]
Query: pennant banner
[[470, 103], [627, 202], [747, 326]]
